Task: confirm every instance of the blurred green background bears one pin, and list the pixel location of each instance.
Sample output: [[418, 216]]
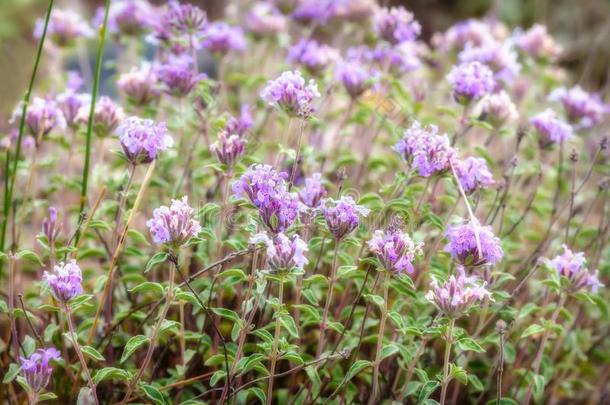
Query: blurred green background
[[581, 26]]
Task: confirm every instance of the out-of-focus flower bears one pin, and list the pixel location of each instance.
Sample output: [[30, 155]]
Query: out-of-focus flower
[[42, 117], [37, 369], [71, 103], [343, 215], [228, 148], [396, 25], [143, 139], [283, 253], [178, 77], [50, 227], [573, 266], [499, 109], [219, 37], [551, 127], [395, 249], [315, 57], [471, 32], [264, 19], [140, 85], [500, 57], [470, 81], [458, 295], [314, 11], [537, 43], [65, 26], [174, 225], [312, 194], [290, 94], [106, 118], [465, 240], [66, 281], [400, 59], [584, 109], [425, 150], [354, 10], [128, 17], [185, 19], [241, 125], [473, 174], [356, 76]]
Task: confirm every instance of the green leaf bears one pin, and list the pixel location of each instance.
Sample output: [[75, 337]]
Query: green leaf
[[30, 256], [148, 286], [356, 368], [458, 373], [259, 393], [47, 396], [108, 373], [376, 299], [153, 393], [158, 258], [234, 273], [132, 345], [227, 313], [217, 376], [137, 236], [13, 370], [468, 344], [78, 301], [344, 271], [533, 329], [91, 352], [539, 383], [389, 350], [29, 345], [288, 323], [293, 357], [316, 382]]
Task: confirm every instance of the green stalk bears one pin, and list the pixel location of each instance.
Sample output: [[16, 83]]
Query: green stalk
[[94, 90], [384, 316], [8, 195], [448, 343], [276, 340]]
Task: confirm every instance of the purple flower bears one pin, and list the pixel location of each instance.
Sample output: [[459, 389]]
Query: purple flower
[[106, 118], [425, 150], [473, 174], [65, 26], [457, 295], [290, 94], [343, 216], [499, 109], [500, 57], [354, 10], [178, 76], [395, 249], [471, 32], [50, 227], [66, 281], [279, 211], [185, 19], [259, 182], [401, 58], [174, 225], [228, 148], [473, 245], [537, 43], [550, 127], [355, 76], [219, 37], [470, 81], [37, 369], [143, 139], [283, 254], [582, 108], [312, 194], [42, 117], [396, 25], [241, 125], [573, 267], [315, 57], [71, 103], [314, 11], [128, 17], [265, 19], [140, 85]]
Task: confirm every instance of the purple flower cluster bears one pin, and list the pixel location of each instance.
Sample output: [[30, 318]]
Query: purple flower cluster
[[228, 148], [65, 26], [220, 38], [396, 25], [395, 249], [342, 216], [473, 245], [240, 125], [425, 150], [582, 108], [470, 32], [174, 225], [573, 266], [265, 19], [290, 94], [128, 17], [106, 118], [471, 81], [312, 55], [313, 192], [499, 109], [551, 127], [178, 76], [50, 227], [71, 103], [283, 253], [355, 76], [66, 281], [455, 297], [143, 139], [537, 43], [140, 85], [500, 57], [183, 20], [42, 117], [314, 11], [473, 174], [37, 368], [400, 59]]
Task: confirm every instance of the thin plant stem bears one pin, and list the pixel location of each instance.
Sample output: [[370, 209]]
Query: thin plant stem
[[276, 340], [154, 335], [384, 315], [298, 156], [448, 343], [329, 296]]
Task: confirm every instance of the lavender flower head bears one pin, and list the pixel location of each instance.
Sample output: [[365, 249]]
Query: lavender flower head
[[279, 211], [400, 59], [283, 254], [473, 174], [106, 118], [220, 38], [315, 57], [265, 19], [128, 17], [573, 266], [470, 81], [470, 32], [71, 103], [37, 368], [396, 25], [395, 249], [174, 225], [290, 94], [42, 117], [465, 239], [65, 26], [500, 57], [342, 216], [260, 182], [551, 127], [228, 148], [140, 85], [457, 295], [537, 43], [355, 76], [143, 139], [178, 77], [50, 227], [584, 109], [241, 125], [66, 281], [499, 109], [185, 19], [319, 12], [425, 150], [312, 194]]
